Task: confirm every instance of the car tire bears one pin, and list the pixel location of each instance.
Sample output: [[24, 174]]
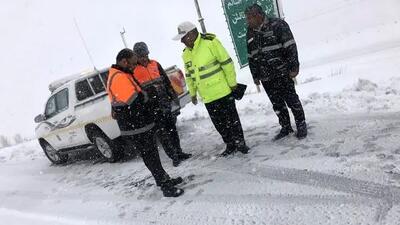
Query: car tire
[[52, 154], [105, 147]]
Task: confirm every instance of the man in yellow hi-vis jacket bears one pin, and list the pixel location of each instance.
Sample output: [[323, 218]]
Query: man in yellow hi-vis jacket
[[211, 73]]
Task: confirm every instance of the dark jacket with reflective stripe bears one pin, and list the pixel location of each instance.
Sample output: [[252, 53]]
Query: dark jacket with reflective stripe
[[272, 50], [134, 118]]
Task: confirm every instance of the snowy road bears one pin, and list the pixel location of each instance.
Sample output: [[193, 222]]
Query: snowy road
[[347, 171], [339, 175]]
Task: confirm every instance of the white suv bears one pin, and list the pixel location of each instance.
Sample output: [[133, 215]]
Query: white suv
[[77, 116]]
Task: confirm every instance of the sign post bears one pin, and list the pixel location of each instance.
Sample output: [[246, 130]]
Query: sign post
[[201, 19], [236, 20], [122, 33]]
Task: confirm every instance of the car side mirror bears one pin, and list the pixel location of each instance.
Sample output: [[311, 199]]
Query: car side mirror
[[40, 118]]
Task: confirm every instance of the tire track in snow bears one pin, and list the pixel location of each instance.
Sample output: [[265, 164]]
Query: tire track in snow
[[386, 194], [37, 218]]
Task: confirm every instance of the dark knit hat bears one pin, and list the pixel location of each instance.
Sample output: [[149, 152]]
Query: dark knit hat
[[140, 49]]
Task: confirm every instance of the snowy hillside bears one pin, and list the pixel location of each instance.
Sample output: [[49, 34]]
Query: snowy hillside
[[347, 171]]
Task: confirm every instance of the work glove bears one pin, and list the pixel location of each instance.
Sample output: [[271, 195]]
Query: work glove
[[294, 73]]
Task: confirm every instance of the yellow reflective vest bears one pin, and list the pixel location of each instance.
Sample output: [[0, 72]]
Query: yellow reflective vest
[[209, 69]]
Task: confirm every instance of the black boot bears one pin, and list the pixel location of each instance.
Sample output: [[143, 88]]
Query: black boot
[[285, 131], [169, 190], [184, 156], [164, 178], [176, 181], [180, 157], [230, 149], [301, 130], [172, 181], [176, 161], [243, 149]]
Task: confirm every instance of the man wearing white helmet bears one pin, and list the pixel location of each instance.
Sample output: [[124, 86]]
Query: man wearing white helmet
[[211, 74]]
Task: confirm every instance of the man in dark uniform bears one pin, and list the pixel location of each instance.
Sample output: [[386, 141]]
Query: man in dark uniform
[[130, 108], [155, 82], [273, 61]]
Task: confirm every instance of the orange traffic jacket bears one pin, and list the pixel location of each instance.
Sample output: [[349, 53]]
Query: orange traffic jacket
[[147, 75], [122, 89]]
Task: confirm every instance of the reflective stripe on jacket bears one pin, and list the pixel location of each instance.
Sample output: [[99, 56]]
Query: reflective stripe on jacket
[[272, 50], [209, 69]]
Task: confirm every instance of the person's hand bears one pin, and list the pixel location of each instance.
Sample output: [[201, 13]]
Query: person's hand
[[194, 100], [294, 73]]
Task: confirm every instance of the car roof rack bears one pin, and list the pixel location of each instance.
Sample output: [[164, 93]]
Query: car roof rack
[[58, 83]]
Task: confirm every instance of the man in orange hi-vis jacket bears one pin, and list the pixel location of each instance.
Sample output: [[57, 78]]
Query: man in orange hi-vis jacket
[[154, 80], [129, 106]]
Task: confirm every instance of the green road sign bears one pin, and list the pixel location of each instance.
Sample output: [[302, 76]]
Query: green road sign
[[236, 19]]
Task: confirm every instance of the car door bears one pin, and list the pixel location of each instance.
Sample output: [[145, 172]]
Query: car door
[[58, 119], [93, 107]]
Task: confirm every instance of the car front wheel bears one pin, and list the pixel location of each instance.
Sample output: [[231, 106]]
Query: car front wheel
[[106, 148], [52, 154]]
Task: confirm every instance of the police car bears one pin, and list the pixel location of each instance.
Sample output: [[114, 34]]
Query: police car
[[77, 116]]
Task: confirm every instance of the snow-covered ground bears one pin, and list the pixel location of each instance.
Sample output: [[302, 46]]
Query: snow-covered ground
[[347, 171]]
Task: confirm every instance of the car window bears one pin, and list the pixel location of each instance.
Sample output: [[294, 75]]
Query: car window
[[96, 84], [83, 90], [62, 100], [104, 77], [57, 103], [51, 108]]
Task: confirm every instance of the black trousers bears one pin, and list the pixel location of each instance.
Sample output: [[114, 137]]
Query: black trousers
[[281, 92], [226, 120], [146, 144], [168, 134]]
